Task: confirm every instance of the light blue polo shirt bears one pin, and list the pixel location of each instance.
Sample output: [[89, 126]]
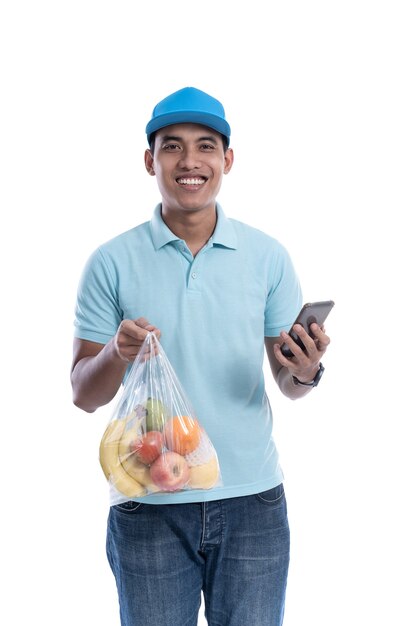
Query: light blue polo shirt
[[213, 311]]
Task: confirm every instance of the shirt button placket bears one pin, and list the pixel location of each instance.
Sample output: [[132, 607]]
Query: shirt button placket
[[194, 282]]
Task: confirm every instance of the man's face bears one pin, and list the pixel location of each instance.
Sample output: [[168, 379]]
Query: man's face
[[189, 162]]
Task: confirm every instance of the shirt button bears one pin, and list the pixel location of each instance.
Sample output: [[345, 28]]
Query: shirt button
[[193, 275]]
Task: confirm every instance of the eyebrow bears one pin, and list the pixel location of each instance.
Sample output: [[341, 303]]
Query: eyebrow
[[166, 138]]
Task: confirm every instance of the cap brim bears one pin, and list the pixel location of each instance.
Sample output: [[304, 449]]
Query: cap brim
[[191, 117]]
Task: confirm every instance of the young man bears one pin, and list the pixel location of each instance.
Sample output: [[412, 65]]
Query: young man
[[217, 292]]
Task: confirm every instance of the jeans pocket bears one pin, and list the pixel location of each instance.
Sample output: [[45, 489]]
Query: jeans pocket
[[272, 496], [128, 507]]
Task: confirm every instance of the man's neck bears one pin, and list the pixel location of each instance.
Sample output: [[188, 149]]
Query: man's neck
[[194, 227]]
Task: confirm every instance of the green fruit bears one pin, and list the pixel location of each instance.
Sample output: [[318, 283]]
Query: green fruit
[[156, 414]]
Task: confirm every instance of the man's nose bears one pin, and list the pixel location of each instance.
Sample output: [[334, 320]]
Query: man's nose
[[190, 159]]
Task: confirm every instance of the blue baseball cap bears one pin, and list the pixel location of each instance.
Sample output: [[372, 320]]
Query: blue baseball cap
[[189, 105]]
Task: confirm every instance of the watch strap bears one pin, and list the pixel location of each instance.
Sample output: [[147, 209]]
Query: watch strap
[[315, 380]]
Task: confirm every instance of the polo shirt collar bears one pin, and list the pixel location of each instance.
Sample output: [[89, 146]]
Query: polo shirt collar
[[161, 235], [224, 233]]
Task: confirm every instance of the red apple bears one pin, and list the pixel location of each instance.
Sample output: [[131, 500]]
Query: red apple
[[170, 471], [148, 447]]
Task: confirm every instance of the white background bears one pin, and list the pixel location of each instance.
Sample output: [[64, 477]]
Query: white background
[[321, 97]]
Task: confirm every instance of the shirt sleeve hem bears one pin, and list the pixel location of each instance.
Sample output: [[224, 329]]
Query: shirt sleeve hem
[[92, 336], [274, 331]]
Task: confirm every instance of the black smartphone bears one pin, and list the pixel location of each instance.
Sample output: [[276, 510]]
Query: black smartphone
[[311, 313]]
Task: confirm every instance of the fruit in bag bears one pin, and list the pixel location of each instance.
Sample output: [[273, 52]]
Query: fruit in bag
[[154, 412], [111, 464], [204, 476], [170, 471], [182, 434], [135, 468], [148, 447], [155, 444]]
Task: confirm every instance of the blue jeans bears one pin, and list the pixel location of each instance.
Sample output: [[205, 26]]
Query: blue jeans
[[236, 551]]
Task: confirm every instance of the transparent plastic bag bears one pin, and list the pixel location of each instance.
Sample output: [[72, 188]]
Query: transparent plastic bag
[[154, 442]]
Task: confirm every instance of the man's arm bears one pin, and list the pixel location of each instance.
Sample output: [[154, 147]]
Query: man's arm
[[98, 370], [303, 365]]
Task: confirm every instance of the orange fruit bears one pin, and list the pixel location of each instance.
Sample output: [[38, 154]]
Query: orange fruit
[[182, 434]]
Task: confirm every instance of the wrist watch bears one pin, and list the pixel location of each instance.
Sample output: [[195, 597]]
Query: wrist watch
[[315, 380]]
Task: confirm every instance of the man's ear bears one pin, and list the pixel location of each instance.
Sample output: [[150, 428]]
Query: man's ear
[[149, 162], [228, 160]]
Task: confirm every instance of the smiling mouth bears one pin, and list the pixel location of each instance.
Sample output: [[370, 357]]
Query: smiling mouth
[[195, 181]]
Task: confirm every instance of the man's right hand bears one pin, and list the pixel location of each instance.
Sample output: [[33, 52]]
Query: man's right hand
[[130, 337], [98, 370]]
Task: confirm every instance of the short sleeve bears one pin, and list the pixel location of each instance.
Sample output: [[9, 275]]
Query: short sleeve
[[284, 299], [97, 311]]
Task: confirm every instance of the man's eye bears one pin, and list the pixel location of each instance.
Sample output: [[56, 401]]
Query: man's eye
[[207, 146], [170, 147]]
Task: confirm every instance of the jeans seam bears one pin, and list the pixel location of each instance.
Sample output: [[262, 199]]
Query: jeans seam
[[203, 531]]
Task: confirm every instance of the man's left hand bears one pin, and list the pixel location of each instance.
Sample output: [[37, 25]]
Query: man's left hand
[[303, 365]]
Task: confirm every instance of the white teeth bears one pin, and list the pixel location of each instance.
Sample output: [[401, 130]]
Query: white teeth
[[190, 181]]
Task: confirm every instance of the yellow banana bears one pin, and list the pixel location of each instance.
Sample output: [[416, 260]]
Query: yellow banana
[[110, 442], [110, 462]]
